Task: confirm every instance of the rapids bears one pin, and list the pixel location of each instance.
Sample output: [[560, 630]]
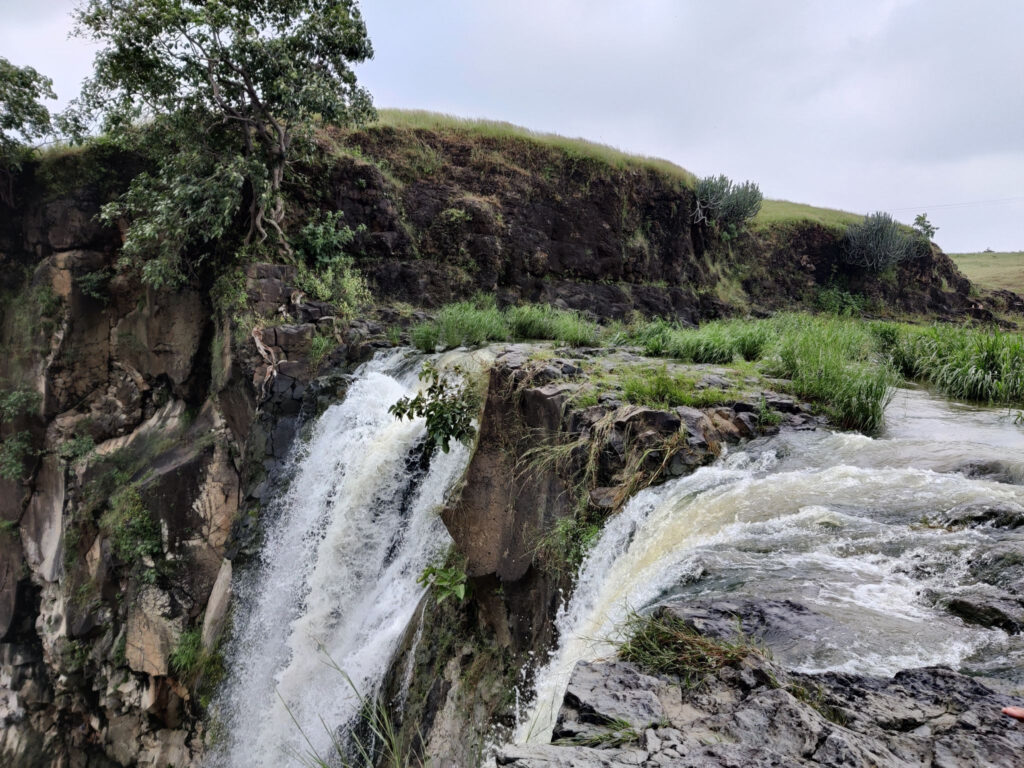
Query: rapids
[[839, 522]]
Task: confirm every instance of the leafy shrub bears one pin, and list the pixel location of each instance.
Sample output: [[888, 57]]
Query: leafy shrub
[[335, 281], [18, 402], [725, 203], [924, 227], [839, 302], [13, 451], [447, 582], [96, 284], [447, 404], [324, 237], [877, 243], [76, 448]]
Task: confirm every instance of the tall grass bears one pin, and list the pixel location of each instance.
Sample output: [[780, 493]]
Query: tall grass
[[542, 321], [665, 644], [835, 362], [972, 364], [828, 360], [473, 323]]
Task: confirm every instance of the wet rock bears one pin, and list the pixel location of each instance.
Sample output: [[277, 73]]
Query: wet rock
[[759, 714], [989, 611], [217, 607], [612, 692], [1004, 515]]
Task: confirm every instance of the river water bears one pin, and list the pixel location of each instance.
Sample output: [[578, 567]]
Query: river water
[[847, 525]]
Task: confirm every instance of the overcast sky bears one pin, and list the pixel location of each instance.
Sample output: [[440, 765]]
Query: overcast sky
[[905, 106]]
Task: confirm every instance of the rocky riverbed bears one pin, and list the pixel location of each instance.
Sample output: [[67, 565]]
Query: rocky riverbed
[[758, 713]]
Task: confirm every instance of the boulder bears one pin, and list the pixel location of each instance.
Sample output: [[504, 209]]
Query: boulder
[[217, 607], [153, 630]]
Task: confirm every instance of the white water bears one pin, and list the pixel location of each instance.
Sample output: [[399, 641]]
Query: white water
[[832, 521], [336, 581]]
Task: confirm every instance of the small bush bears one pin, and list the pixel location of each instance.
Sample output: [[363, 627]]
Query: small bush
[[725, 203], [448, 405], [14, 450], [324, 237], [836, 301], [132, 531], [877, 243], [76, 448], [447, 582], [335, 281]]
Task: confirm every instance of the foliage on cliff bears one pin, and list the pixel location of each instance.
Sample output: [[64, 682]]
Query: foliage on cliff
[[224, 96], [22, 118]]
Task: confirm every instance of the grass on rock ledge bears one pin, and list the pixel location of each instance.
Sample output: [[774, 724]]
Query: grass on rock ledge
[[849, 367]]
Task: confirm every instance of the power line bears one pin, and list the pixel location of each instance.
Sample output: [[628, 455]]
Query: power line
[[937, 206]]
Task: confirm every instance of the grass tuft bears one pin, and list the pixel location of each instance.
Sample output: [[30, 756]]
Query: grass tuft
[[665, 644]]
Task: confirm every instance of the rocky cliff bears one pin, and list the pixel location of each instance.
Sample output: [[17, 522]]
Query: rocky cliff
[[140, 428]]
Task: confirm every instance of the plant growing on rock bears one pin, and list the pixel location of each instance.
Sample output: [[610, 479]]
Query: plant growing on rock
[[225, 95], [877, 243], [725, 203], [447, 582], [925, 227], [447, 404]]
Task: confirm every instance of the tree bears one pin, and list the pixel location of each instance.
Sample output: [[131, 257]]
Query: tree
[[22, 118], [925, 227], [227, 93]]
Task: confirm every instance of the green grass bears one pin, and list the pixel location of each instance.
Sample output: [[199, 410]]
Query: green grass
[[657, 388], [784, 212], [971, 364], [542, 321], [993, 270], [665, 644], [478, 322], [502, 131], [133, 532], [828, 360]]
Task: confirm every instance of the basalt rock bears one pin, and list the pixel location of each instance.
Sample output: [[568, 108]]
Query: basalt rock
[[757, 713]]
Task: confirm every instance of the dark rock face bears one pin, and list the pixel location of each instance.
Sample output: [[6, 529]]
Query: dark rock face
[[759, 714]]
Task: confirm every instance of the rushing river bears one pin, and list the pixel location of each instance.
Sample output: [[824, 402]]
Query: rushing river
[[336, 583], [839, 522]]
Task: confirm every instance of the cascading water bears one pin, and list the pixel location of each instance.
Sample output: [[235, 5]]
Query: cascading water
[[837, 522], [336, 580]]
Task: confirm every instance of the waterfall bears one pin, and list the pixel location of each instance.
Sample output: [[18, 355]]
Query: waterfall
[[336, 579], [838, 522]]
